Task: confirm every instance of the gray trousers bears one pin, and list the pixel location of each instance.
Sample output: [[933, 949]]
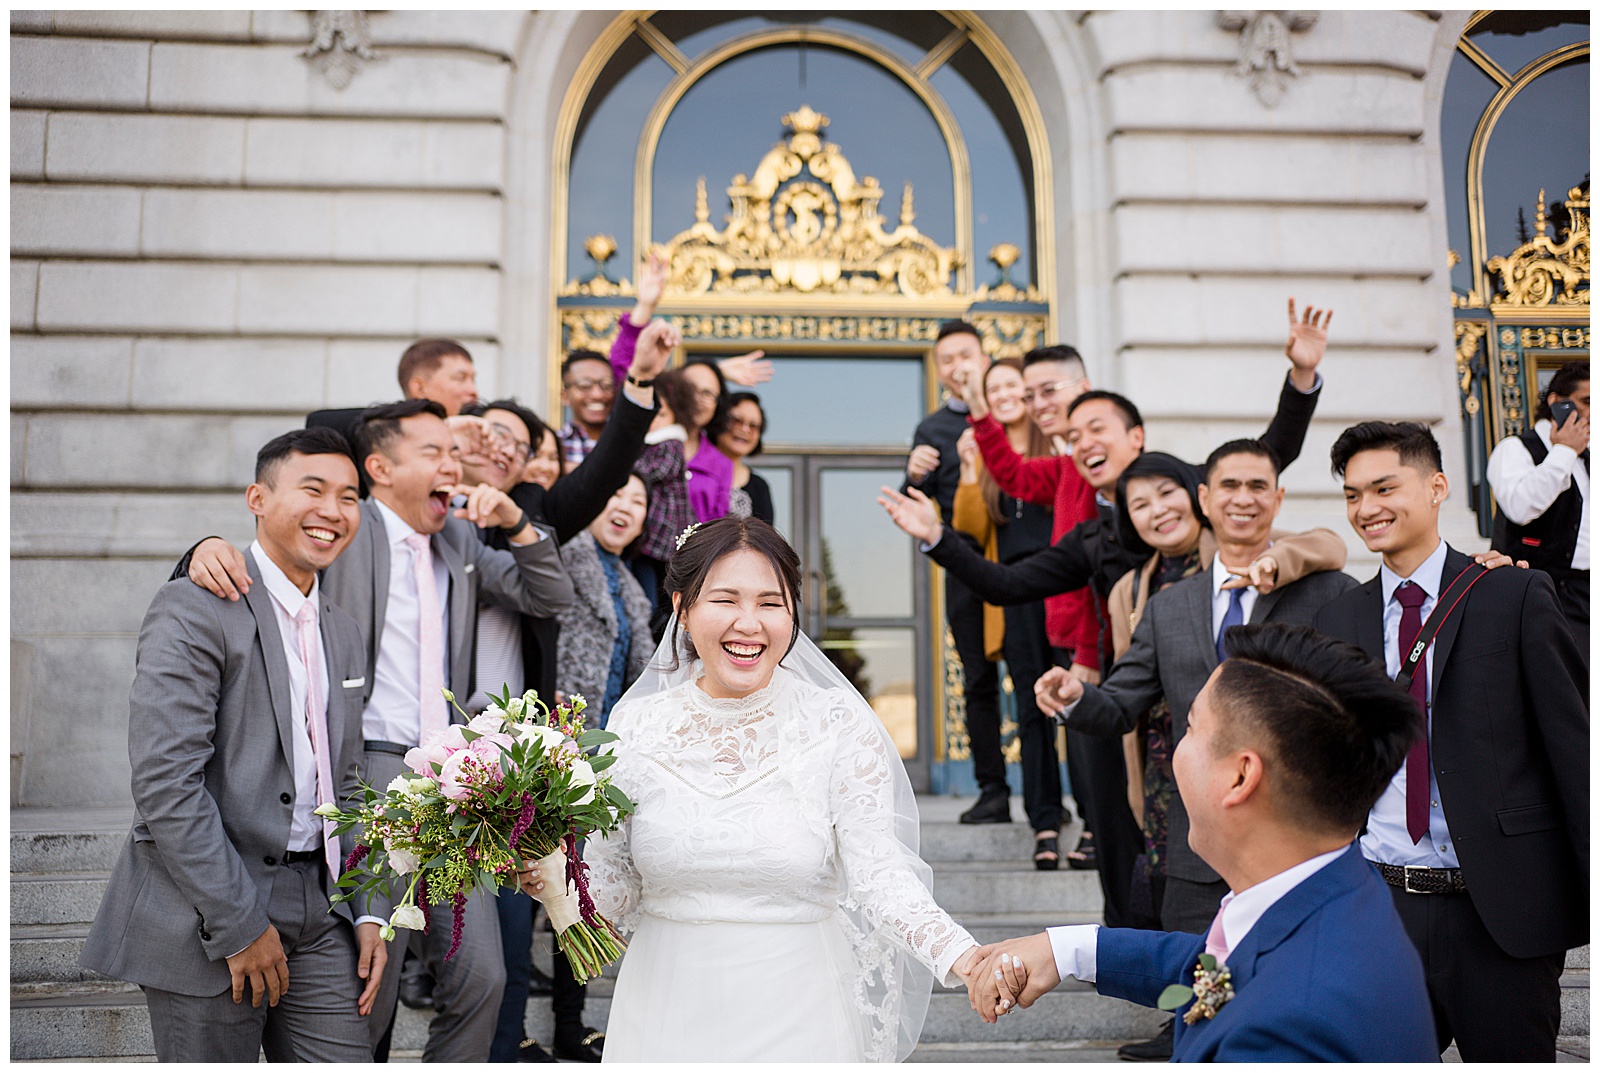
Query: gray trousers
[[1190, 906], [314, 1021], [467, 988]]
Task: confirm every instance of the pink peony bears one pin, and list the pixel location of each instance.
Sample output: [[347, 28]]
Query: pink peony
[[456, 777]]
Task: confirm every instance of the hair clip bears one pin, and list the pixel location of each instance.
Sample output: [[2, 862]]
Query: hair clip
[[683, 537]]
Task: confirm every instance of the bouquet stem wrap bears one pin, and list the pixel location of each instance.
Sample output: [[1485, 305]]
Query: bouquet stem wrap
[[587, 938]]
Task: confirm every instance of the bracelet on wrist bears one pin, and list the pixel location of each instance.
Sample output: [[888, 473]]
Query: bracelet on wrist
[[516, 530], [641, 383]]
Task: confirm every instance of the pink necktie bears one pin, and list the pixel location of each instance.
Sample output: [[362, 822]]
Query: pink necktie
[[317, 725], [1216, 941], [435, 716]]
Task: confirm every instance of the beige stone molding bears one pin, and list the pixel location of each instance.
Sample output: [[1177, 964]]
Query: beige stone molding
[[339, 42], [1264, 55]]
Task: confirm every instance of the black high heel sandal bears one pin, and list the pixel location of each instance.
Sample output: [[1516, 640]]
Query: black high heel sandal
[[1047, 853], [1083, 859]]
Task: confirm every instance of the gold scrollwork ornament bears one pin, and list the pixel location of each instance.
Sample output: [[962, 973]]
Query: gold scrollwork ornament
[[820, 234], [1542, 271]]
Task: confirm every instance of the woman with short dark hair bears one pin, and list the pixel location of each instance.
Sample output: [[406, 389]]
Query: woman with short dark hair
[[737, 431]]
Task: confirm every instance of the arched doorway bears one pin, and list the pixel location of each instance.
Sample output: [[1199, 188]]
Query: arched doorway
[[905, 143], [1516, 164]]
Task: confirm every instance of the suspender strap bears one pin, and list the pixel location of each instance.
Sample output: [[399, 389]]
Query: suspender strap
[[1430, 629]]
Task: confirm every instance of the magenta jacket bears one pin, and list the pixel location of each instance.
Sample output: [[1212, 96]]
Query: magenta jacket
[[710, 471]]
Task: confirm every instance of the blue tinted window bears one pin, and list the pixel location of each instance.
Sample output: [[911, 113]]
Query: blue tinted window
[[1540, 141], [729, 119]]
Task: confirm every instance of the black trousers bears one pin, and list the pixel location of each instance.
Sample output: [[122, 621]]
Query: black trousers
[[1100, 786], [965, 612], [1027, 651], [1496, 1007], [1572, 590]]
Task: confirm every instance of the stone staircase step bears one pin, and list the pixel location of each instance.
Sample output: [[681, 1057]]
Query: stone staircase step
[[990, 887], [1092, 1050], [56, 899], [68, 840]]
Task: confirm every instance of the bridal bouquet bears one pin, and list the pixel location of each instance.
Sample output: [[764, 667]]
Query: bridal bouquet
[[512, 784]]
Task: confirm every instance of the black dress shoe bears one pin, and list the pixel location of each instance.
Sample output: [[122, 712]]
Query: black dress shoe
[[530, 1051], [1158, 1049], [580, 1044], [416, 987], [994, 806]]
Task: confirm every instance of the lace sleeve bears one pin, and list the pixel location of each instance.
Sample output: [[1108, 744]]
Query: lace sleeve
[[614, 881], [881, 871]]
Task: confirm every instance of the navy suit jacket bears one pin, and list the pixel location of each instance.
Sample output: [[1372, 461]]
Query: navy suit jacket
[[1326, 975]]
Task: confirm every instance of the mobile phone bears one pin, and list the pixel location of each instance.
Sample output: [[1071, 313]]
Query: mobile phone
[[1560, 410]]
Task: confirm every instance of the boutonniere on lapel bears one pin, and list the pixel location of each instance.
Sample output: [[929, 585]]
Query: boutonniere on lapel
[[1213, 988]]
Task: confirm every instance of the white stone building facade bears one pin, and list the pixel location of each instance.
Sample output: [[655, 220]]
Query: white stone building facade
[[209, 239]]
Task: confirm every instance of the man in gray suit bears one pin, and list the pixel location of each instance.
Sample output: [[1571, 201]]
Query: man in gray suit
[[413, 579], [1178, 643], [243, 718]]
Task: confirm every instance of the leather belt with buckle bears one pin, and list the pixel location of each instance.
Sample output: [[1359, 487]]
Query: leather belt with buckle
[[296, 856], [1415, 879]]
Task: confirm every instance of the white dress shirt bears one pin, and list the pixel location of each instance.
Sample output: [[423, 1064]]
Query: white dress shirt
[[1525, 491], [1221, 598], [1075, 946], [305, 829], [394, 711], [1387, 840]]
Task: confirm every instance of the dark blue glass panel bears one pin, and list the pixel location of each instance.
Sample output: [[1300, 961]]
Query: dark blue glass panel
[[1541, 140], [841, 402], [1514, 51], [600, 198], [729, 119]]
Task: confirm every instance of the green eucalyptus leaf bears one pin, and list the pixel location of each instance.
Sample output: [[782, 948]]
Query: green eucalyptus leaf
[[1208, 962], [1174, 996]]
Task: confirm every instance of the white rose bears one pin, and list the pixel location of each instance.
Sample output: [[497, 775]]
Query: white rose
[[549, 737], [403, 861], [398, 785], [583, 775], [410, 917]]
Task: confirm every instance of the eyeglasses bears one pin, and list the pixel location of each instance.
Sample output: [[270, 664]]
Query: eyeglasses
[[709, 393], [505, 440], [1049, 391], [748, 426], [606, 386]]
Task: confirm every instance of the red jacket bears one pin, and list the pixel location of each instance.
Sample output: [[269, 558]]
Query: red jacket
[[1070, 618]]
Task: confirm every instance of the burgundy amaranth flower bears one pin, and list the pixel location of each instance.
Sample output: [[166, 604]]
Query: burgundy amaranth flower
[[357, 855], [524, 819], [578, 875], [422, 902], [460, 905]]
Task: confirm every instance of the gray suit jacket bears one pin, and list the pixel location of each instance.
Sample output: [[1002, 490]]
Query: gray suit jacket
[[1172, 654], [589, 626], [528, 579], [209, 738]]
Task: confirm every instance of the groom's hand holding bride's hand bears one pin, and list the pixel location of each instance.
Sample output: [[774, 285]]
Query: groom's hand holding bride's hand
[[1013, 974]]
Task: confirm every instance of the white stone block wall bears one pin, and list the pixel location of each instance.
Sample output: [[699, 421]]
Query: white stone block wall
[[1212, 208], [208, 241]]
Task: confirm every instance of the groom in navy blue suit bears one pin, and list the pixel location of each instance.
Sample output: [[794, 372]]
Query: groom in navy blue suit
[[1289, 744]]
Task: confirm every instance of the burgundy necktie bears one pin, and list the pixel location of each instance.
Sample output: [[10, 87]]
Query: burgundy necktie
[[1410, 597]]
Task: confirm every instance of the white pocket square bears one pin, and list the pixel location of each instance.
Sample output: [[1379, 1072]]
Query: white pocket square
[[352, 683]]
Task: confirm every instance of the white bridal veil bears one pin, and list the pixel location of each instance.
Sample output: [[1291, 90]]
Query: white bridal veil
[[891, 987]]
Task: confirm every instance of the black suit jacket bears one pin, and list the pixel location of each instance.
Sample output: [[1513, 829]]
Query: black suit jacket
[[1172, 655], [1510, 749]]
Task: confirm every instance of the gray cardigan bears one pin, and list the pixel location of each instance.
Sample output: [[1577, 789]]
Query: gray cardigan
[[589, 626]]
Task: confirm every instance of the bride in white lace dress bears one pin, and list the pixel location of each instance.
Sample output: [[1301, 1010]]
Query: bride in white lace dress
[[769, 875]]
